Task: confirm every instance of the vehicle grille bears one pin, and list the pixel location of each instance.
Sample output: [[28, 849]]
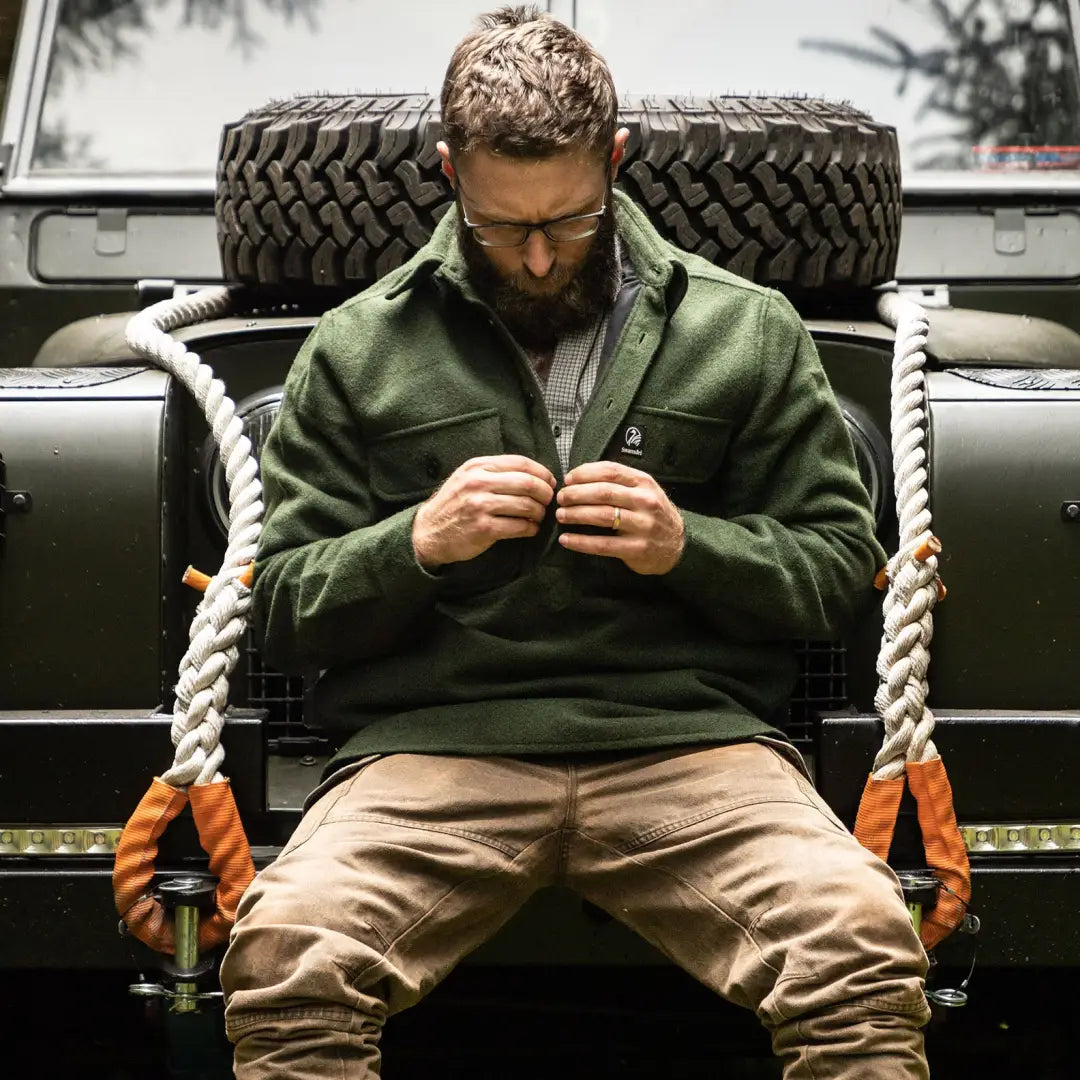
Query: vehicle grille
[[285, 699], [821, 687]]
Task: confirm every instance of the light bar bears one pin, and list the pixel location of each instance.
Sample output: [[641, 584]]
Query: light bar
[[1039, 838], [62, 840]]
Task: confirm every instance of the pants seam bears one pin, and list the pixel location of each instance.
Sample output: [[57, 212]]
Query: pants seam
[[344, 787], [694, 889], [568, 820], [341, 1013], [683, 823], [448, 830], [352, 977]]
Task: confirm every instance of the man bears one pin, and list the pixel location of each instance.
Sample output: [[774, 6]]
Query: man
[[547, 506]]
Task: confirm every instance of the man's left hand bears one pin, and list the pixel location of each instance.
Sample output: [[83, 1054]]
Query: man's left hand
[[648, 528]]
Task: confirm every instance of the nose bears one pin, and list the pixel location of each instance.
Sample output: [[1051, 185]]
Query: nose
[[538, 254]]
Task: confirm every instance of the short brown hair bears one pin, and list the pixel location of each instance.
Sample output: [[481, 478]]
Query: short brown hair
[[527, 85]]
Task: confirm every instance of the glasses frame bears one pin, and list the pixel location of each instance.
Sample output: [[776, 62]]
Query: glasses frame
[[531, 227]]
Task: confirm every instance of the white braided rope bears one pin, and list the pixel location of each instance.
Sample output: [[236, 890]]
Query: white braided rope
[[221, 618], [913, 584]]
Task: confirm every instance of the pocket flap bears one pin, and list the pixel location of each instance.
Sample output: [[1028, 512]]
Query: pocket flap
[[673, 447], [411, 463]]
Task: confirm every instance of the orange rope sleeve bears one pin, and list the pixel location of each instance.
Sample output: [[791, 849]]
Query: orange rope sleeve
[[930, 546], [199, 581], [222, 837], [134, 867], [946, 852], [196, 579], [876, 820]]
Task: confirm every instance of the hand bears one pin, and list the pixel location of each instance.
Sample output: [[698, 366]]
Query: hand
[[485, 500], [650, 534]]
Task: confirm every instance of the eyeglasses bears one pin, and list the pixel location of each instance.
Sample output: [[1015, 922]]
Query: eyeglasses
[[558, 230]]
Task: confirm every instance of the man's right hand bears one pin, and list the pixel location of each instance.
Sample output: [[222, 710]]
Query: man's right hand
[[487, 499]]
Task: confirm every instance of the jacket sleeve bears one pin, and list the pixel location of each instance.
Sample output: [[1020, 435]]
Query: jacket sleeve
[[334, 580], [793, 553]]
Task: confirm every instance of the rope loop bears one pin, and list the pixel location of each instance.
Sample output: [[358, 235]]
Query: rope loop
[[220, 621], [914, 586], [908, 754]]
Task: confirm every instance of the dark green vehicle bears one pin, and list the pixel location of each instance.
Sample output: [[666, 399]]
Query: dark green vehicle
[[119, 188]]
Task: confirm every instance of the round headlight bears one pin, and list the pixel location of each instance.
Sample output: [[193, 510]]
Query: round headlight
[[257, 414], [873, 457]]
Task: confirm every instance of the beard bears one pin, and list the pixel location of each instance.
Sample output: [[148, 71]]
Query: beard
[[574, 296]]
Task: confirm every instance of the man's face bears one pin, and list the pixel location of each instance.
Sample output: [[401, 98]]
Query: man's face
[[541, 289]]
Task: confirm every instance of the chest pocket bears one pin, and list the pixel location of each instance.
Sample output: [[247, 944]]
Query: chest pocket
[[408, 465], [672, 447]]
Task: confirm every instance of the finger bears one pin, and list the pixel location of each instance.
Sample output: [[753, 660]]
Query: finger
[[599, 494], [515, 463], [513, 483], [602, 517], [610, 472], [515, 506], [612, 547], [511, 528]]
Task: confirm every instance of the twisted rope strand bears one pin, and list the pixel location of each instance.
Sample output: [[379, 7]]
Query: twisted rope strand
[[220, 620], [904, 656]]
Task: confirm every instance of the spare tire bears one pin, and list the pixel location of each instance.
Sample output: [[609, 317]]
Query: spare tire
[[335, 191]]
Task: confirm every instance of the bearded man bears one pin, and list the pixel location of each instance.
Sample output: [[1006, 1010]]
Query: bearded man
[[547, 506]]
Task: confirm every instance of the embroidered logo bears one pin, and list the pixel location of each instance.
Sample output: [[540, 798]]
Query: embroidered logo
[[633, 441]]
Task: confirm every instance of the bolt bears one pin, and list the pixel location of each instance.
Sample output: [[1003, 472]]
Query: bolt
[[1072, 511], [19, 500], [307, 759]]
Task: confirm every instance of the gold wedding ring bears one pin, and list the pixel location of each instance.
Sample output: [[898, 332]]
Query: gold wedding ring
[[616, 520]]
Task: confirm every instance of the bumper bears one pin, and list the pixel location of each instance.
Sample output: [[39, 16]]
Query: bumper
[[1004, 767]]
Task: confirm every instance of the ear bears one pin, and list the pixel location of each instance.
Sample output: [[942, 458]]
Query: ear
[[447, 167], [618, 152]]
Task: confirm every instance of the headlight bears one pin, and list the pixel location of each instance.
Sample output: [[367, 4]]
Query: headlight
[[257, 414], [873, 457]]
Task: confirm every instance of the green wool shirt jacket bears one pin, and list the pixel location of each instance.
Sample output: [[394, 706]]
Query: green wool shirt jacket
[[531, 648]]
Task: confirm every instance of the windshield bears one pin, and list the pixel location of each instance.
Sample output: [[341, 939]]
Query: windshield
[[142, 87]]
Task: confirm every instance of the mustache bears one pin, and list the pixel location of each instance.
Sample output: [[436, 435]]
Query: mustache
[[558, 277]]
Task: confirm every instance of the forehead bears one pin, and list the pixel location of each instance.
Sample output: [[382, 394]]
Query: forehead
[[505, 188]]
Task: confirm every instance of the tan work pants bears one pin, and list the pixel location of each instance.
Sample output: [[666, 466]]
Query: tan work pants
[[725, 858]]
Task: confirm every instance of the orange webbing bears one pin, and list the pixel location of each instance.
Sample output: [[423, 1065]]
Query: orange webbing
[[876, 819], [222, 837], [946, 852], [134, 867]]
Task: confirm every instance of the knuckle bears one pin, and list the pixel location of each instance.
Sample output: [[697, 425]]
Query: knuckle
[[475, 501]]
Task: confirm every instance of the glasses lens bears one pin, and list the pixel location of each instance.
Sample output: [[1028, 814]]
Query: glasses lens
[[500, 235], [562, 231]]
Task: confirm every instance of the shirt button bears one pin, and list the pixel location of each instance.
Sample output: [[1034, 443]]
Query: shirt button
[[557, 430]]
